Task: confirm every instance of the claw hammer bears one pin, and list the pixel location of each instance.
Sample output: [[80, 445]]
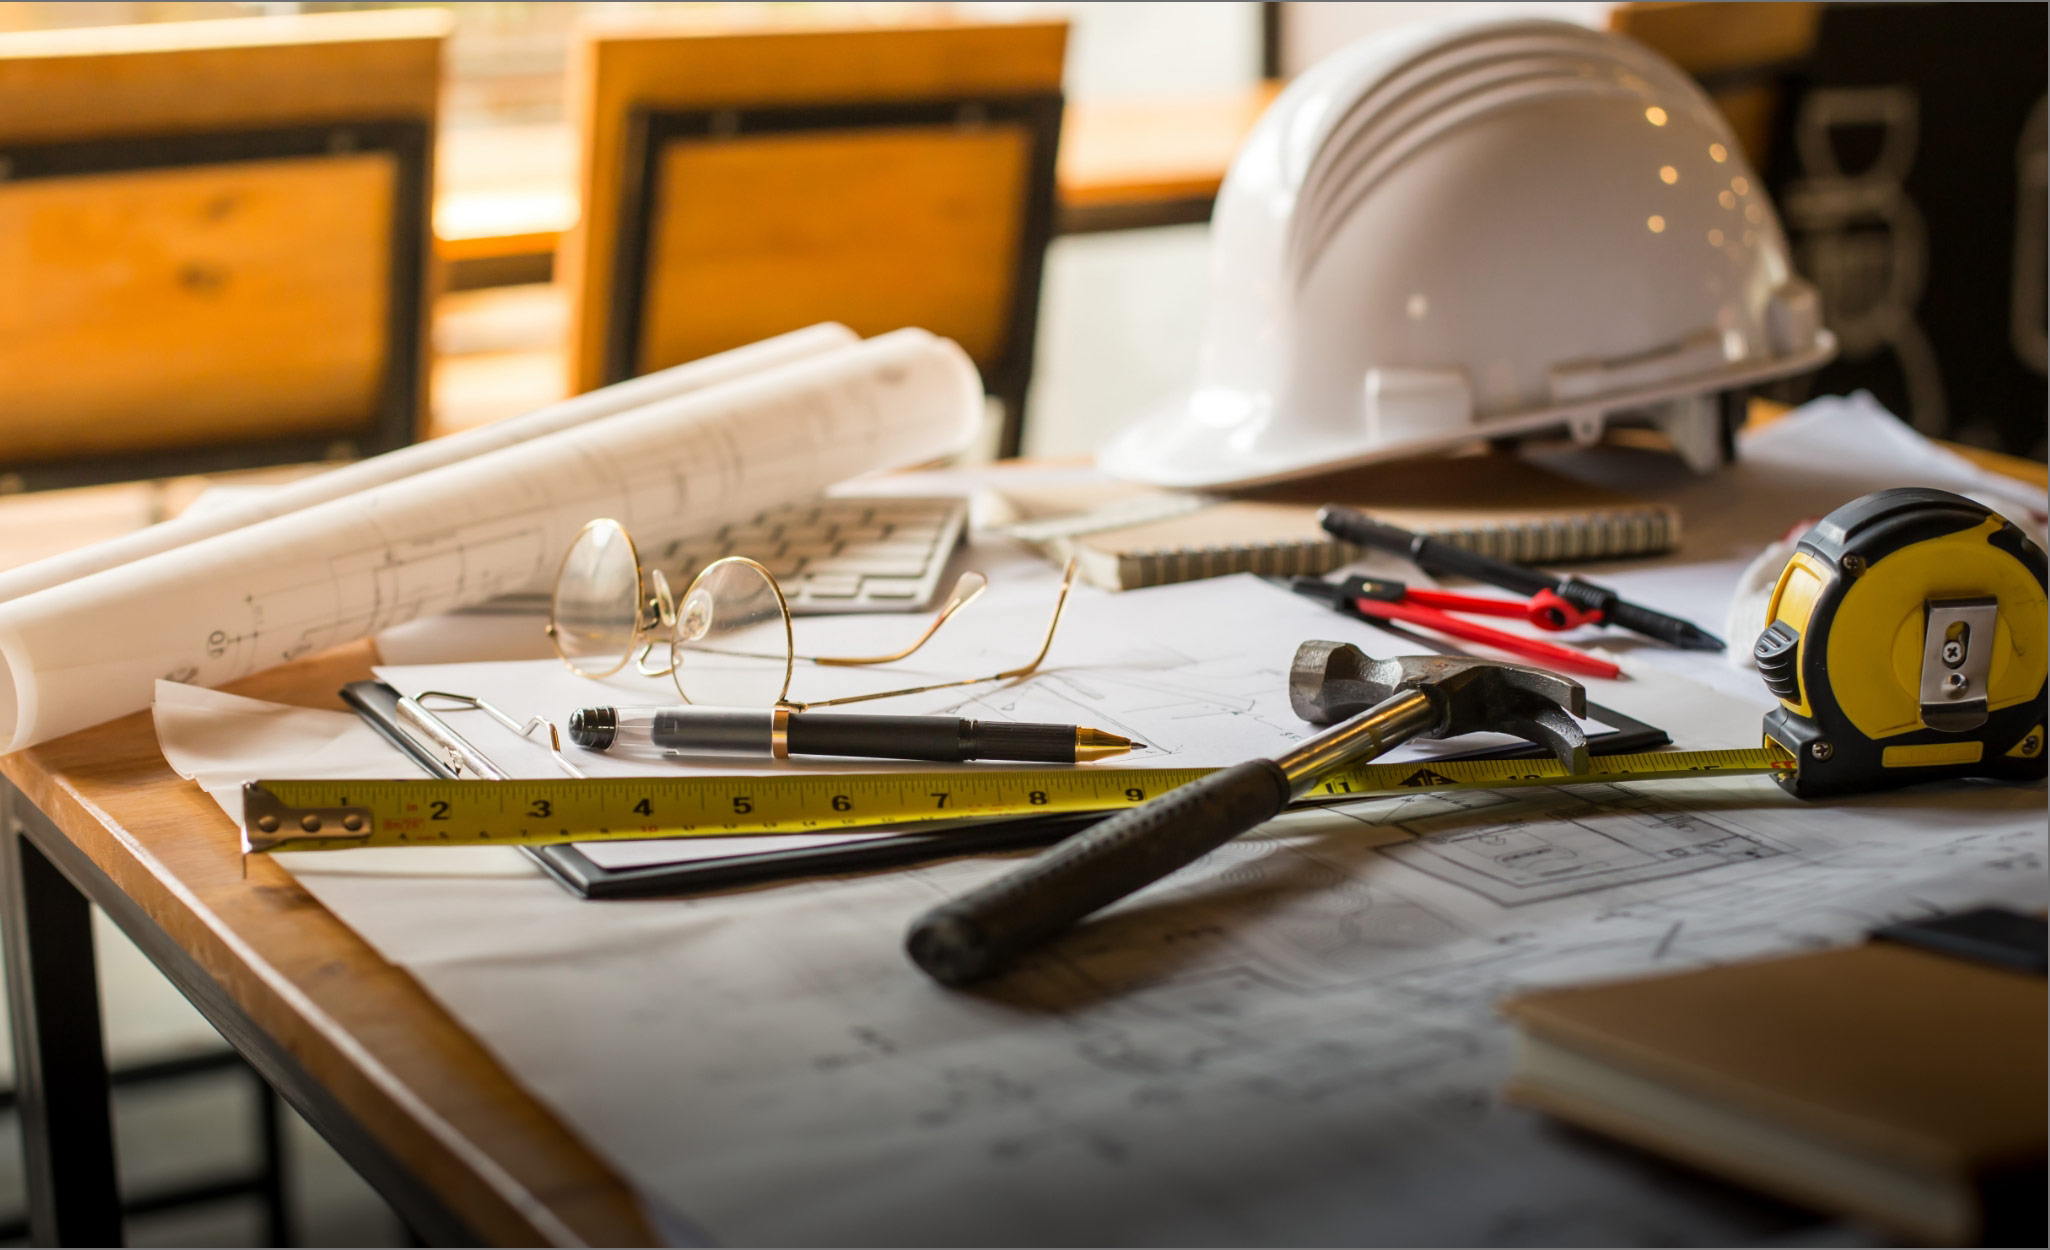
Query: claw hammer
[[1377, 705]]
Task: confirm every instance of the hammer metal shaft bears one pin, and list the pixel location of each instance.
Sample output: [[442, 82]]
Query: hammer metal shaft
[[1374, 732]]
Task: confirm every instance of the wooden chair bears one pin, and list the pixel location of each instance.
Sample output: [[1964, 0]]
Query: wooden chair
[[738, 184], [213, 243]]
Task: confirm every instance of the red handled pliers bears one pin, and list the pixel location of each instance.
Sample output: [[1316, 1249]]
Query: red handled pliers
[[1377, 599]]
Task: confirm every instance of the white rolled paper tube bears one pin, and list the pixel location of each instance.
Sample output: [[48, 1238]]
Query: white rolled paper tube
[[418, 458], [226, 606]]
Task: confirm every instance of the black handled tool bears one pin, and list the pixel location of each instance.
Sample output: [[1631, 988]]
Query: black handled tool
[[1437, 556], [1382, 704]]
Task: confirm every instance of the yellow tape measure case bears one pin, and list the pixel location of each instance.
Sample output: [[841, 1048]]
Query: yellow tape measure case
[[1907, 643]]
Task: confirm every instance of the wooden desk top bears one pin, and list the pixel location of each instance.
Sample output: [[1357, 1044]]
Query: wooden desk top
[[420, 1086], [437, 1102]]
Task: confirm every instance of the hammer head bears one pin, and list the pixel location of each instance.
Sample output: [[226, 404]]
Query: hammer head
[[1334, 681]]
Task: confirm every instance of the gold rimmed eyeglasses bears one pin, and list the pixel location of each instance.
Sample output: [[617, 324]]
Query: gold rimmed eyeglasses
[[731, 642]]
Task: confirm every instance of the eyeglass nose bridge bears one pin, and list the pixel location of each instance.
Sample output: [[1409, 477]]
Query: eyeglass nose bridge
[[659, 608], [658, 612]]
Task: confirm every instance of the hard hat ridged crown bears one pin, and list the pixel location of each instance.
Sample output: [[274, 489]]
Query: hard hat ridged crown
[[1472, 229]]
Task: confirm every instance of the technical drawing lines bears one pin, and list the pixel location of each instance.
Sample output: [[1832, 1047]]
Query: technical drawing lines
[[1529, 848]]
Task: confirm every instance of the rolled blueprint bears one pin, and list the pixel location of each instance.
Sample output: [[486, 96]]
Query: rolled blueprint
[[217, 609], [418, 458]]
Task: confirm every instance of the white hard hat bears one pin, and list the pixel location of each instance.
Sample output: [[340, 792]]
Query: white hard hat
[[1466, 230]]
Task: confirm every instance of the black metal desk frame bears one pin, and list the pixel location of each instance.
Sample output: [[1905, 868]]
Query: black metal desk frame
[[48, 887]]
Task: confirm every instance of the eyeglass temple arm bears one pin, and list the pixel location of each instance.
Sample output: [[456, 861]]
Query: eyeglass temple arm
[[1010, 674], [946, 614]]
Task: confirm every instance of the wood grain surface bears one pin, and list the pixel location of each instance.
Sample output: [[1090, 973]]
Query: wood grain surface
[[188, 306], [876, 229], [438, 1103], [177, 307], [99, 81], [712, 63]]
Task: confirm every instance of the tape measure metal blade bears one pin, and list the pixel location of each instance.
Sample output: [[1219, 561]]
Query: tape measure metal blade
[[336, 815], [1506, 774]]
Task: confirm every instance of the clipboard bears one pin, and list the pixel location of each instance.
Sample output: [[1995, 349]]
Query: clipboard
[[566, 865]]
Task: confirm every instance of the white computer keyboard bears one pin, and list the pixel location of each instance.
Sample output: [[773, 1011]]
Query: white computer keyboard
[[835, 555], [883, 554]]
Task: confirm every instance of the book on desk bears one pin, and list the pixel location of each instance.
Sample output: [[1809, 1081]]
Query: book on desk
[[1900, 1081]]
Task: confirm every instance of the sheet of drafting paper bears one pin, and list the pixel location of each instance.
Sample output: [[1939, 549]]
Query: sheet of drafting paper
[[1198, 672], [76, 654], [1293, 1040]]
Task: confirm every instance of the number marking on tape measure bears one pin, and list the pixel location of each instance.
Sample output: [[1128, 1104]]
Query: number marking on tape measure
[[334, 815]]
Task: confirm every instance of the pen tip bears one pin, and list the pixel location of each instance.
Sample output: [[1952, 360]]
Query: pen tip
[[1095, 744]]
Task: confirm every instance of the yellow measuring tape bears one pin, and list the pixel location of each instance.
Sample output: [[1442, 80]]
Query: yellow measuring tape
[[335, 815]]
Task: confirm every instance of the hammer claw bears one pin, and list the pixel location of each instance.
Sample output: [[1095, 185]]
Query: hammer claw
[[1535, 718]]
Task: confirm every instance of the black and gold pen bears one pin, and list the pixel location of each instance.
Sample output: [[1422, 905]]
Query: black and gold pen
[[780, 733]]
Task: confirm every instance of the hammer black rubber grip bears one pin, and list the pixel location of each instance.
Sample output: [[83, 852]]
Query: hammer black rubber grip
[[984, 930]]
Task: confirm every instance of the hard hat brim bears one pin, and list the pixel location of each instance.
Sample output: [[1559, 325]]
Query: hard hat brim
[[1167, 447]]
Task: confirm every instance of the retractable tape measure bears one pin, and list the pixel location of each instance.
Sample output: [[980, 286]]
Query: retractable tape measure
[[325, 815], [1907, 643]]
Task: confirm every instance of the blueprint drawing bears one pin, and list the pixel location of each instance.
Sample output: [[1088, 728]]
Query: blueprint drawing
[[1292, 1040]]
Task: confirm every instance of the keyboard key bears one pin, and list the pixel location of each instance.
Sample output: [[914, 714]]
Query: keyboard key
[[861, 564], [830, 587], [885, 551], [892, 588]]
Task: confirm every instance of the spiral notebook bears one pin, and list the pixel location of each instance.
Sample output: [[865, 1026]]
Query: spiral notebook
[[1125, 536]]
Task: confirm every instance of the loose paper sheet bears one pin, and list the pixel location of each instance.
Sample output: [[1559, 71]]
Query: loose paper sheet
[[1195, 671], [1291, 1041], [77, 654]]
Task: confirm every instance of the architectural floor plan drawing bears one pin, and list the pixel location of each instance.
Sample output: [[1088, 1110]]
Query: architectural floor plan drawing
[[1518, 846], [1174, 702], [1292, 1040]]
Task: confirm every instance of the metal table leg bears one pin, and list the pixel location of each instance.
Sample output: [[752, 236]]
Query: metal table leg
[[38, 861], [60, 1058]]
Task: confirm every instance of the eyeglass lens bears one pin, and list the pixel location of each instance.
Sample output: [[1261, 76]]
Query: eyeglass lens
[[597, 600], [732, 646]]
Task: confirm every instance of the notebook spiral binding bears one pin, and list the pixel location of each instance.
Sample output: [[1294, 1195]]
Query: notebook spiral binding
[[1592, 536]]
